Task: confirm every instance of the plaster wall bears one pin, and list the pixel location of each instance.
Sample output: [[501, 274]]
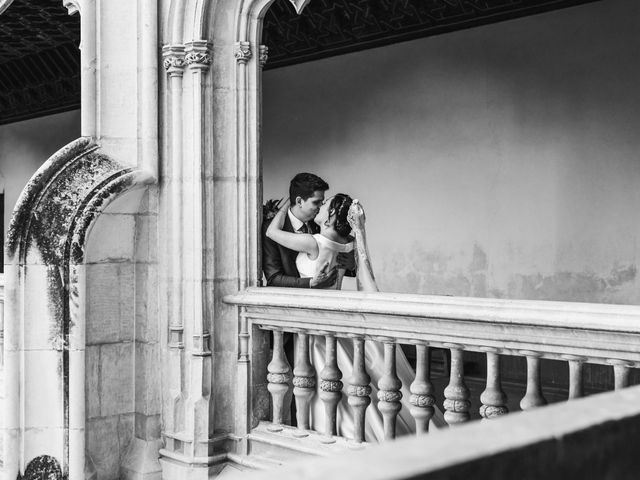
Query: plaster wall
[[24, 146], [499, 161]]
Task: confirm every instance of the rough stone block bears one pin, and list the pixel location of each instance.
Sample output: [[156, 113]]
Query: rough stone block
[[116, 380]]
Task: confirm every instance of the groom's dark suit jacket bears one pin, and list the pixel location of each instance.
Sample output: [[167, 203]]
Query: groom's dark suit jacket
[[279, 263]]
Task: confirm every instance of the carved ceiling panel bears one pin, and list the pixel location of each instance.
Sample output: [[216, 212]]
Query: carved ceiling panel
[[333, 27], [40, 60]]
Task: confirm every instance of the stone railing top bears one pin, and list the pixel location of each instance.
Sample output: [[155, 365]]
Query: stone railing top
[[588, 437], [594, 333], [592, 316]]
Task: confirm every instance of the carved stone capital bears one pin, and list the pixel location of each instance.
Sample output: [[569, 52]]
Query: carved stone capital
[[198, 55], [173, 59], [243, 52], [263, 55]]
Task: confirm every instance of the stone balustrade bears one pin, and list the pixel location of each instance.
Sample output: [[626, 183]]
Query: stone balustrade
[[581, 439], [576, 333]]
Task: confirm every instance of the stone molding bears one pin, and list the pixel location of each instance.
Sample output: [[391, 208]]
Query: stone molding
[[198, 54], [299, 5], [4, 4], [173, 59], [46, 239], [263, 55], [243, 52]]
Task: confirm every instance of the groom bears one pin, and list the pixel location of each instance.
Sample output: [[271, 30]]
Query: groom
[[306, 194]]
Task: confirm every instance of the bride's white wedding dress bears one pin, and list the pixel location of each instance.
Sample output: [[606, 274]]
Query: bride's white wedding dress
[[374, 354]]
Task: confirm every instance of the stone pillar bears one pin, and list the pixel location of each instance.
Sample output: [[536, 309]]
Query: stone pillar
[[188, 403]]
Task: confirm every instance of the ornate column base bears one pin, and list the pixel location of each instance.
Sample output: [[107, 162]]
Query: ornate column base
[[141, 461]]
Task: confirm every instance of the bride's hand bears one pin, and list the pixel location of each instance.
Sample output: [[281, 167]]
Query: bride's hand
[[285, 204], [355, 216]]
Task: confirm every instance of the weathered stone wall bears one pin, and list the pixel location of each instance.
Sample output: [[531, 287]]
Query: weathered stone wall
[[122, 356], [487, 167], [24, 146]]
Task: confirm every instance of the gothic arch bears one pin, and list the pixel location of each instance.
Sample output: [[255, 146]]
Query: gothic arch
[[45, 304]]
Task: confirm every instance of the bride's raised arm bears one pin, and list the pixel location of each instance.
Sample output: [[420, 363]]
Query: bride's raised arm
[[299, 242], [364, 272]]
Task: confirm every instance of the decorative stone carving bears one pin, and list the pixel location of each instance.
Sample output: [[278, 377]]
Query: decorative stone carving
[[304, 381], [493, 398], [358, 391], [330, 387], [456, 394], [299, 5], [243, 52], [173, 59], [489, 411], [263, 55], [198, 55], [281, 378], [422, 399], [278, 378], [389, 394]]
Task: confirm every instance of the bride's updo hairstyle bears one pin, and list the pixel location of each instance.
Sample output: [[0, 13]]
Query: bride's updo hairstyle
[[340, 204]]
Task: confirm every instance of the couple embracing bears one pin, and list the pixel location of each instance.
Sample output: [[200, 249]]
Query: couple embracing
[[310, 243]]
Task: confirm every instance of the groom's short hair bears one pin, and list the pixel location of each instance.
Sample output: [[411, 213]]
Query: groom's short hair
[[304, 184]]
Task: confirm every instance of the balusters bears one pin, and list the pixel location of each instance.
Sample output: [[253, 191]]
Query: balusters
[[456, 394], [304, 381], [359, 390], [575, 375], [621, 371], [493, 398], [330, 387], [422, 398], [389, 394], [533, 396], [278, 377]]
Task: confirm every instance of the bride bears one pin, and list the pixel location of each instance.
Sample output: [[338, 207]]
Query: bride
[[341, 220]]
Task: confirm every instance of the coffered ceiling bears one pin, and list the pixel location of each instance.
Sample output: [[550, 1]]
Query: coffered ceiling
[[40, 60]]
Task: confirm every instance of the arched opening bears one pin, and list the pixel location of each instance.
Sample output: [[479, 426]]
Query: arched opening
[[483, 160]]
